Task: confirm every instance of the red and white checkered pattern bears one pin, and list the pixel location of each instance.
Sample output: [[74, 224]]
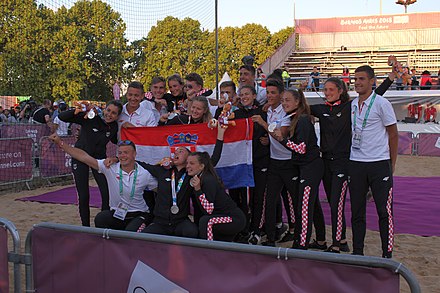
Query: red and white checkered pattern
[[341, 211], [213, 221], [299, 148], [141, 227], [208, 206], [291, 210], [305, 215], [263, 213], [390, 221]]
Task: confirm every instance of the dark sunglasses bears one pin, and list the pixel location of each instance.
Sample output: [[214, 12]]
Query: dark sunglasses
[[126, 142]]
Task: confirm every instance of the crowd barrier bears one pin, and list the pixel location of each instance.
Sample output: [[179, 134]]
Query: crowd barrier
[[26, 152], [428, 144], [6, 256], [69, 258]]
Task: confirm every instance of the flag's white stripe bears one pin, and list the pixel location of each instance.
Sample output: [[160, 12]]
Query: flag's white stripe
[[233, 153]]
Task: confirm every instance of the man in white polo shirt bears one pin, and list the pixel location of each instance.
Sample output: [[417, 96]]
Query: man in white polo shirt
[[372, 160], [126, 183], [136, 112]]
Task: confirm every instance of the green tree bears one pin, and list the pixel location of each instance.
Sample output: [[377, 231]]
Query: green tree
[[23, 49], [88, 51], [280, 37]]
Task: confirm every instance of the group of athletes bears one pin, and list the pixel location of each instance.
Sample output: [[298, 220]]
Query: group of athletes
[[357, 152]]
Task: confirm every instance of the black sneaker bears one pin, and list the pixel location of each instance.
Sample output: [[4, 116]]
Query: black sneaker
[[268, 243], [254, 239], [286, 238], [333, 249], [315, 245], [344, 247], [280, 231], [387, 254]]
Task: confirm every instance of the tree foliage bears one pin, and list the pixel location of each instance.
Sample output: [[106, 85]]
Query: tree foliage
[[77, 53]]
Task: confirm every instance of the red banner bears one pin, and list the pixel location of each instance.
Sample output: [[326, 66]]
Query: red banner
[[65, 261], [4, 276], [429, 144], [15, 159], [405, 143], [368, 23]]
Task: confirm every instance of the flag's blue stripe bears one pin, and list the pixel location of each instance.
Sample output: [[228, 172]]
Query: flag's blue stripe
[[237, 176]]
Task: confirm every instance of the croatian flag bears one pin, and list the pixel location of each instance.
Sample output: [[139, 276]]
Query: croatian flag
[[235, 165]]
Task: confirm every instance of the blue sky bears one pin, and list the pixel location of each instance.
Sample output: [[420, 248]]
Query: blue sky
[[140, 15]]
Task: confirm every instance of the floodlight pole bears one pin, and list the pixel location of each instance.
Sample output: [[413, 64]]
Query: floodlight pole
[[216, 51]]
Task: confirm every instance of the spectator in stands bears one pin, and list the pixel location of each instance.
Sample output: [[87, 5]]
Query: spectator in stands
[[414, 81], [221, 219], [403, 78], [372, 160], [286, 77], [136, 112], [315, 78], [425, 80], [415, 111], [126, 181], [60, 127], [176, 97], [430, 113], [247, 77], [95, 133], [261, 77], [346, 77]]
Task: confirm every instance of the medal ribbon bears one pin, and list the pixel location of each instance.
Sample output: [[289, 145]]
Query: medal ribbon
[[174, 191], [133, 187]]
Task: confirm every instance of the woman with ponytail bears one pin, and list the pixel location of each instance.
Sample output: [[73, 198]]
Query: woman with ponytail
[[221, 219], [301, 141]]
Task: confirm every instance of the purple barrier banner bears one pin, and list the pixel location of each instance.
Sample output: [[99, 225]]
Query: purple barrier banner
[[405, 143], [53, 160], [34, 131], [15, 159], [65, 261], [4, 276], [429, 144]]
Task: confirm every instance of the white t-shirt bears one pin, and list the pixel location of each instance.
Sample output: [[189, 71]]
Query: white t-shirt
[[277, 150], [144, 180], [63, 127], [374, 137], [143, 116]]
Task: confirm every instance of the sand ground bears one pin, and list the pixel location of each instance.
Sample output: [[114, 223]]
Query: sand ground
[[420, 254]]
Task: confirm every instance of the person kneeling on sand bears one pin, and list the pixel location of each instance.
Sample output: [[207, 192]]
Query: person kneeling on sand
[[126, 181]]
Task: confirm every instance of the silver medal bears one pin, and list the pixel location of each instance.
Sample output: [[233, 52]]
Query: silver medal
[[91, 114], [172, 115], [272, 127], [174, 209]]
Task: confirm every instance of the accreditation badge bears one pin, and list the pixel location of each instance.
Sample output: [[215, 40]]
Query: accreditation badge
[[121, 211], [356, 141]]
